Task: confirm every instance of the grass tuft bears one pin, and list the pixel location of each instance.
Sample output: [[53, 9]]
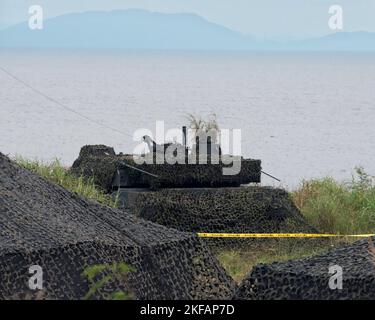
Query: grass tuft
[[60, 175]]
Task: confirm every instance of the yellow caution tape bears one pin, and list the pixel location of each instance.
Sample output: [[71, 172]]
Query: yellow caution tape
[[280, 235]]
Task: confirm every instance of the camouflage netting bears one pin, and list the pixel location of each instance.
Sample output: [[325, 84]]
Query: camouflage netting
[[44, 224], [222, 210], [101, 164], [309, 278]]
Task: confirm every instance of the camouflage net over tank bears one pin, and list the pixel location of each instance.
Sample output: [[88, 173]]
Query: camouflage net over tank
[[309, 278], [46, 225], [222, 210], [101, 163]]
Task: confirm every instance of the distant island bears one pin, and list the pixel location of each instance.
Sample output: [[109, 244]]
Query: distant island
[[141, 29]]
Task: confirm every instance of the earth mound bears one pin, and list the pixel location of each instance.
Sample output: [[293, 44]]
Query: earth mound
[[222, 210], [46, 225], [309, 278]]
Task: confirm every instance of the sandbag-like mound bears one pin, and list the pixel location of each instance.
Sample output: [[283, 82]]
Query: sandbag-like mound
[[44, 224], [222, 210], [101, 164], [309, 278]]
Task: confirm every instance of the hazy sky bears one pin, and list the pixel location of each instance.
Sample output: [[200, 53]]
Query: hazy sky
[[263, 18]]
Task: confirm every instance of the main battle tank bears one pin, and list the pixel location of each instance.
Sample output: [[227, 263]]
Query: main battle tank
[[191, 196], [113, 171]]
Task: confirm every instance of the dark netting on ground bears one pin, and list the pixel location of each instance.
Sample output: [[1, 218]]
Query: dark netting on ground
[[309, 278], [44, 224], [223, 210], [101, 164]]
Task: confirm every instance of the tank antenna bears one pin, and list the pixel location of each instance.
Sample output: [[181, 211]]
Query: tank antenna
[[271, 176]]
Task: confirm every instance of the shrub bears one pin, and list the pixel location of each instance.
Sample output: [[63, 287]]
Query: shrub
[[334, 207], [101, 274]]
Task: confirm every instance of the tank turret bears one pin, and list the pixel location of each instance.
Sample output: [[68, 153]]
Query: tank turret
[[113, 171]]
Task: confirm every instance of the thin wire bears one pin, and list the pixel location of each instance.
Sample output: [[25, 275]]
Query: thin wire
[[62, 105], [143, 171]]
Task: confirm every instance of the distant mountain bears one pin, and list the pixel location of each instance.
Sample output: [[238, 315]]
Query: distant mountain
[[140, 29], [135, 29]]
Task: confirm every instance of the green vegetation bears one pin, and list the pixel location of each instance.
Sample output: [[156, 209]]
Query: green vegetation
[[343, 208], [238, 263], [56, 173], [99, 275], [328, 205]]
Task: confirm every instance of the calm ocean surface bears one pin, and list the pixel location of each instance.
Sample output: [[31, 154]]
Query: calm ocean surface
[[305, 115]]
